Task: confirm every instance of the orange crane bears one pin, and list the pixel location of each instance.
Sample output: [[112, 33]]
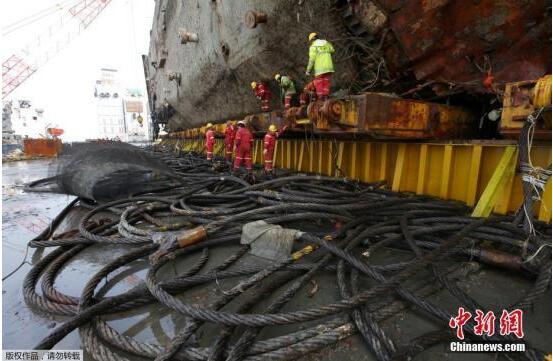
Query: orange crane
[[75, 17]]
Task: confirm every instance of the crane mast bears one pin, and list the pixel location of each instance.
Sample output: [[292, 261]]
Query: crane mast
[[20, 65]]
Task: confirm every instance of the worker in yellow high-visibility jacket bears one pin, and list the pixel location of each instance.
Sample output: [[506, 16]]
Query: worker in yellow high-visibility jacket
[[320, 63]]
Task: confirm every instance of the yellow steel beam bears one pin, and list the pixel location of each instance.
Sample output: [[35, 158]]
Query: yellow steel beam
[[288, 154], [504, 198], [275, 152], [452, 171], [311, 153], [300, 157], [320, 154], [423, 159], [473, 176], [489, 196], [330, 158], [366, 164], [545, 204], [400, 165], [383, 160], [446, 171], [353, 166], [295, 154], [339, 161]]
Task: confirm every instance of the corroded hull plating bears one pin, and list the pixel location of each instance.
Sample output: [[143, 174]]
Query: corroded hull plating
[[217, 70], [204, 54]]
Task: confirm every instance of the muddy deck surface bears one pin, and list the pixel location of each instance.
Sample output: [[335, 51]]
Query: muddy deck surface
[[25, 215]]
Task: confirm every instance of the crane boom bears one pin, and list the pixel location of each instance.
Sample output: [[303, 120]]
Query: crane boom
[[19, 66]]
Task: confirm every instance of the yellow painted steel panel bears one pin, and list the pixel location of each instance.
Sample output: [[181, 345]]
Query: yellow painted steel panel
[[411, 168], [545, 210], [504, 197], [460, 172], [471, 166], [435, 168], [365, 162], [542, 92], [399, 167], [497, 181], [473, 174], [423, 169]]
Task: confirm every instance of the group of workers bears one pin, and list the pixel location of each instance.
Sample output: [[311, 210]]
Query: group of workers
[[320, 64], [240, 141]]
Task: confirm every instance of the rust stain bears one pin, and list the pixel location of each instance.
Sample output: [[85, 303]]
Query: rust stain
[[404, 118], [42, 147], [459, 41]]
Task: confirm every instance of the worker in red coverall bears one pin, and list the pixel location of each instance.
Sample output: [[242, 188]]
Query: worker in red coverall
[[308, 94], [262, 92], [230, 133], [269, 146], [209, 141], [244, 144]]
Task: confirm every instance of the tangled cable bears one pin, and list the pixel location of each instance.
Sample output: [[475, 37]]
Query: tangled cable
[[345, 225]]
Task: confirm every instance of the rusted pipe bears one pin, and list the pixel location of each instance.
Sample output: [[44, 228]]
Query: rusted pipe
[[499, 259], [187, 37], [253, 18], [332, 109], [192, 236]]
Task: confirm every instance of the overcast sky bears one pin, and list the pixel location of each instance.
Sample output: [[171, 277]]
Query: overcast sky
[[64, 87]]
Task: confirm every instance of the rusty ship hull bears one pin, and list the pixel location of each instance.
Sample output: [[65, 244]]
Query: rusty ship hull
[[204, 54]]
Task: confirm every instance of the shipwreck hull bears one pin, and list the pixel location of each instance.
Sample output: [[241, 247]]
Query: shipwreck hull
[[216, 71], [204, 54]]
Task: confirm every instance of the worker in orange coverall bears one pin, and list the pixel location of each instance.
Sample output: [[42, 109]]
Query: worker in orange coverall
[[244, 144], [209, 141], [230, 133], [262, 92], [269, 146]]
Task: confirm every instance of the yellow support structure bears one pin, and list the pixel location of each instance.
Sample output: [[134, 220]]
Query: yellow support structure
[[545, 205], [300, 157], [481, 173], [446, 171], [499, 178], [472, 181], [423, 161], [339, 162], [354, 174], [366, 163], [383, 160], [400, 165]]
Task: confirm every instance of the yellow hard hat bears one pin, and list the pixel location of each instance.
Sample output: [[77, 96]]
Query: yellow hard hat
[[277, 77], [254, 84], [209, 125], [312, 36], [272, 128]]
